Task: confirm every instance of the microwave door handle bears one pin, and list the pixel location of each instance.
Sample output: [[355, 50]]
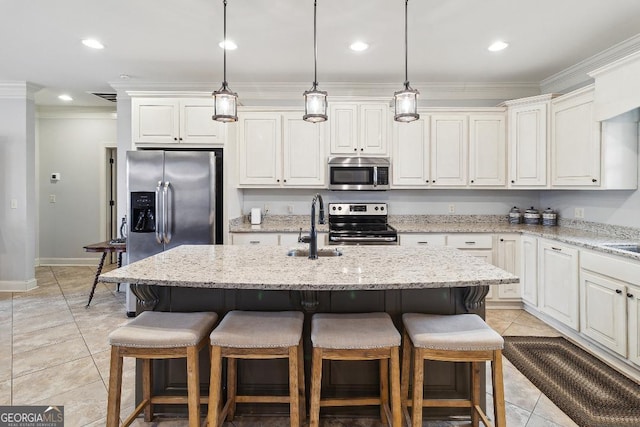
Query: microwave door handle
[[158, 218], [375, 176]]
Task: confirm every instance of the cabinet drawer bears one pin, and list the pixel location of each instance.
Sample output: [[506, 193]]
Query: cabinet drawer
[[423, 239], [255, 239], [470, 241]]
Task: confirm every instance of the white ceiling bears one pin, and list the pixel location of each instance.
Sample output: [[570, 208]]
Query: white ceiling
[[176, 41]]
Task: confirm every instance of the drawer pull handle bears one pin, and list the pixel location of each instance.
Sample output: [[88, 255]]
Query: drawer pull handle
[[618, 291], [469, 243], [423, 243], [556, 249], [254, 242]]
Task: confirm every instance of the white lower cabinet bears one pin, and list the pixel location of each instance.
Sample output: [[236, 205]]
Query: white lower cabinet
[[558, 281], [633, 319], [508, 259], [529, 269]]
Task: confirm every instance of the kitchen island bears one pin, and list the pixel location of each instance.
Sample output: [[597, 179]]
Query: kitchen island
[[393, 279]]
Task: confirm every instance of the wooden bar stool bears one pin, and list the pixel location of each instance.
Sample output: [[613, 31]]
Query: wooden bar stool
[[256, 335], [158, 335], [364, 336], [453, 338]]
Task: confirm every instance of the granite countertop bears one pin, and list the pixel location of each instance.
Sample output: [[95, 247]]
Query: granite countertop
[[584, 234], [268, 267]]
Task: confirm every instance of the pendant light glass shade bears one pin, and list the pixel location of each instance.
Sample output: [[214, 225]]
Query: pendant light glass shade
[[315, 101], [225, 102], [406, 100]]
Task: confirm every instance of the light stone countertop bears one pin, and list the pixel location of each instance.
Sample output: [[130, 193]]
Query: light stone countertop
[[589, 235], [269, 268]]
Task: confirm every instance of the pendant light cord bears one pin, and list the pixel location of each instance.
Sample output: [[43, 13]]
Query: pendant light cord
[[406, 49], [224, 41], [315, 47]]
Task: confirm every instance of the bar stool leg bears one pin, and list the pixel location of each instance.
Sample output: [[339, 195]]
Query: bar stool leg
[[498, 390], [316, 380], [232, 386], [396, 400], [475, 393], [214, 389], [294, 403], [384, 389], [301, 395], [418, 381], [147, 375], [193, 386], [115, 389], [405, 371]]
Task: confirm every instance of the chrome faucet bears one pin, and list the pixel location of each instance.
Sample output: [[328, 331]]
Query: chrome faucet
[[312, 238]]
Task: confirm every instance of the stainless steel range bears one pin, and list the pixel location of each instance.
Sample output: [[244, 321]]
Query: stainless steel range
[[360, 224]]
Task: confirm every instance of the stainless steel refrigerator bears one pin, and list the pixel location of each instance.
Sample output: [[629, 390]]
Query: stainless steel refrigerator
[[174, 198]]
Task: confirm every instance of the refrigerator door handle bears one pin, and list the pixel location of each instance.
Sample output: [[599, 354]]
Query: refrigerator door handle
[[166, 217], [158, 220]]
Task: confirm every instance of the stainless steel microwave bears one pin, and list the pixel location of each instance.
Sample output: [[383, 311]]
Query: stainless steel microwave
[[359, 173]]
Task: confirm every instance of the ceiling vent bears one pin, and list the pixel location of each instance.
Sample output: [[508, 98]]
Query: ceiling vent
[[108, 96]]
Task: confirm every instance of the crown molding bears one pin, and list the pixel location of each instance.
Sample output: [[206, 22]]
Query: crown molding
[[18, 90], [579, 74]]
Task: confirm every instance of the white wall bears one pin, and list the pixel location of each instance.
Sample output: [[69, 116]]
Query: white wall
[[401, 202], [73, 143]]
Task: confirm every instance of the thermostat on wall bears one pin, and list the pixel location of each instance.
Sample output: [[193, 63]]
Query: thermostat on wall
[[55, 176]]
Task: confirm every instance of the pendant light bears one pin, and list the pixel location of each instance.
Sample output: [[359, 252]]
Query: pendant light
[[225, 102], [406, 100], [315, 101]]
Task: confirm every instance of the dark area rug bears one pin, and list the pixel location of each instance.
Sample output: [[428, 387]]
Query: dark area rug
[[587, 390]]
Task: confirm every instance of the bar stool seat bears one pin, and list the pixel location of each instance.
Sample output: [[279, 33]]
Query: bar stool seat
[[256, 335], [363, 336], [158, 335], [453, 338]]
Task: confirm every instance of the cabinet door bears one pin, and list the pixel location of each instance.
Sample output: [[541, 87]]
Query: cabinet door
[[529, 269], [255, 239], [558, 274], [196, 124], [508, 258], [373, 128], [259, 149], [575, 141], [603, 314], [303, 147], [528, 145], [410, 158], [633, 313], [449, 142], [155, 120], [487, 151], [343, 123]]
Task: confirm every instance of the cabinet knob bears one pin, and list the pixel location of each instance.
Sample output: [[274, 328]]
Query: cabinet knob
[[285, 180], [180, 138], [630, 295], [513, 181], [472, 181], [277, 180], [618, 291], [594, 180], [434, 181], [175, 138], [427, 180], [355, 149], [362, 149], [502, 240]]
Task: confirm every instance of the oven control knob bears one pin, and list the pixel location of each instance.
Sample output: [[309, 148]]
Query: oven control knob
[[381, 208], [339, 208], [333, 208], [376, 208]]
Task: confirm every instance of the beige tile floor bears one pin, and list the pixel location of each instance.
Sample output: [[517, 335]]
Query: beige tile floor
[[54, 351]]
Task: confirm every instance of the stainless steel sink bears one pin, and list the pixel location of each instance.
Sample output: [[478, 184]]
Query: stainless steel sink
[[628, 247], [323, 252]]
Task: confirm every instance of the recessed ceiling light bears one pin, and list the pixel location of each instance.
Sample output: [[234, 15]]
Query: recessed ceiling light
[[65, 97], [93, 43], [228, 45], [497, 46], [124, 76], [359, 46]]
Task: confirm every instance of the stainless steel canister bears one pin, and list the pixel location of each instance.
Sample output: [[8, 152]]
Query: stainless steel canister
[[549, 217], [532, 216], [515, 216]]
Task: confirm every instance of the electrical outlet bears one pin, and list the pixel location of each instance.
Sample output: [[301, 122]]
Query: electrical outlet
[[266, 209], [290, 209], [452, 208], [578, 213], [52, 198]]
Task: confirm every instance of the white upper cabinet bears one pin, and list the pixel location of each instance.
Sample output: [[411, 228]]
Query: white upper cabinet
[[487, 150], [174, 120], [528, 141], [449, 144], [358, 128], [281, 150], [575, 140], [410, 154]]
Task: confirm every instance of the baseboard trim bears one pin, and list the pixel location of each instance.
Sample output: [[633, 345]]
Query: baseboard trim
[[18, 285], [68, 262]]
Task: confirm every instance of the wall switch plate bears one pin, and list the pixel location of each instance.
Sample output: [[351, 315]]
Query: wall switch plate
[[14, 203], [52, 198], [290, 209], [578, 213], [452, 208]]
